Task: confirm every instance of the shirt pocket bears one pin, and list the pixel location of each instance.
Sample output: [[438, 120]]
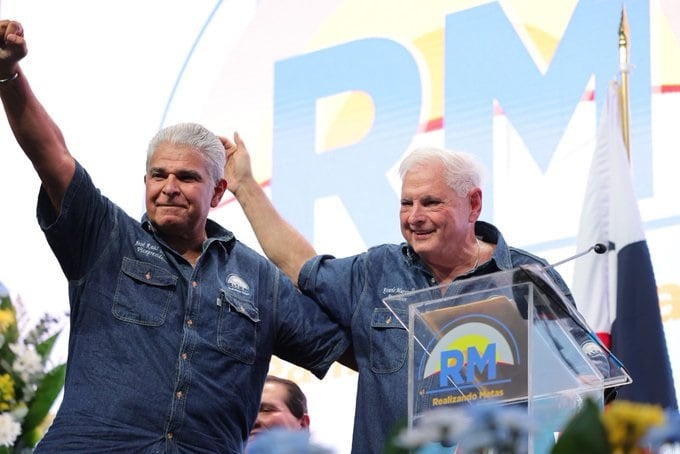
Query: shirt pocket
[[143, 293], [237, 327], [389, 341]]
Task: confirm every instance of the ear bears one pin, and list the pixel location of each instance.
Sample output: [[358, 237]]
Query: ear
[[475, 203], [220, 189], [304, 421]]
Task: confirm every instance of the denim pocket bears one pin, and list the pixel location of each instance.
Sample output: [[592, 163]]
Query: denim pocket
[[237, 327], [143, 293], [389, 341]]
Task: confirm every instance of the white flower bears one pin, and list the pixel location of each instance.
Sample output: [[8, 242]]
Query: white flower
[[19, 412], [9, 429], [27, 364]]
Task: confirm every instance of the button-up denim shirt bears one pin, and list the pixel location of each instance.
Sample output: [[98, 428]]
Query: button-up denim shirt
[[163, 356], [353, 288]]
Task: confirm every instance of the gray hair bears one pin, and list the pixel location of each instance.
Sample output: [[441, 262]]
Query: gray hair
[[463, 170], [197, 137]]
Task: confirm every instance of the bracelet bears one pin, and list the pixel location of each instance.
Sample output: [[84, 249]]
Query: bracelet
[[10, 78]]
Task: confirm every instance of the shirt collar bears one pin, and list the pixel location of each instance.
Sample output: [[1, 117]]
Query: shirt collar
[[214, 231]]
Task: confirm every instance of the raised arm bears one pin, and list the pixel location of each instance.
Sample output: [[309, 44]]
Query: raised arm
[[280, 241], [34, 130]]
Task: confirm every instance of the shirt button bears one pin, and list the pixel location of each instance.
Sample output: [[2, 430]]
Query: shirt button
[[190, 322], [179, 394], [147, 275], [194, 284], [184, 356], [169, 435]]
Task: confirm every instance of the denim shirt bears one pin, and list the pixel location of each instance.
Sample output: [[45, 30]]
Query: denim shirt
[[162, 356], [353, 288]]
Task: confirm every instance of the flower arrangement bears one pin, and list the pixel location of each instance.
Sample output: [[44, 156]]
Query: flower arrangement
[[27, 388], [623, 428]]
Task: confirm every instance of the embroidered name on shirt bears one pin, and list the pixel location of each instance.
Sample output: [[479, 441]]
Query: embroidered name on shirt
[[394, 291], [237, 284], [149, 249]]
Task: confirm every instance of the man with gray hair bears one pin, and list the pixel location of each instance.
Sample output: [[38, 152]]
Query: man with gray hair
[[173, 321]]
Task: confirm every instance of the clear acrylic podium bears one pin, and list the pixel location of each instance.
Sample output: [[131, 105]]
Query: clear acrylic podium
[[509, 337]]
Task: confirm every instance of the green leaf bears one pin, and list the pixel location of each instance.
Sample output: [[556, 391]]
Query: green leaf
[[584, 433], [48, 390], [391, 447], [45, 348], [5, 303], [31, 438]]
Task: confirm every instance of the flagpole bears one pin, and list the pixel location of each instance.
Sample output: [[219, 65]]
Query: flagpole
[[624, 69]]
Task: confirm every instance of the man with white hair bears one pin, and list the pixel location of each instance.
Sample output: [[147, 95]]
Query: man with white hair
[[445, 243]]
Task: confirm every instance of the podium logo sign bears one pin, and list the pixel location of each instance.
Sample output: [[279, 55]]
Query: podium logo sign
[[478, 357], [460, 366]]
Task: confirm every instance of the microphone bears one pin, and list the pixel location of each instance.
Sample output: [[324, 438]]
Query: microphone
[[598, 248]]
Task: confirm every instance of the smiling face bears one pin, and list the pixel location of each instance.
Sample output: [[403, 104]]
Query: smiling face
[[180, 192], [274, 411], [435, 220]]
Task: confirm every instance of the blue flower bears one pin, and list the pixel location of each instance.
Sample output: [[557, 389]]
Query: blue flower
[[472, 428], [282, 441], [504, 428], [667, 433]]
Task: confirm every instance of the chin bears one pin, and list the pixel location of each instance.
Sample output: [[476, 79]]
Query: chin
[[169, 220], [425, 251], [420, 245]]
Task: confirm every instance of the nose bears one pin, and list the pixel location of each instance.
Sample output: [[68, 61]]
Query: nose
[[415, 214], [170, 187]]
